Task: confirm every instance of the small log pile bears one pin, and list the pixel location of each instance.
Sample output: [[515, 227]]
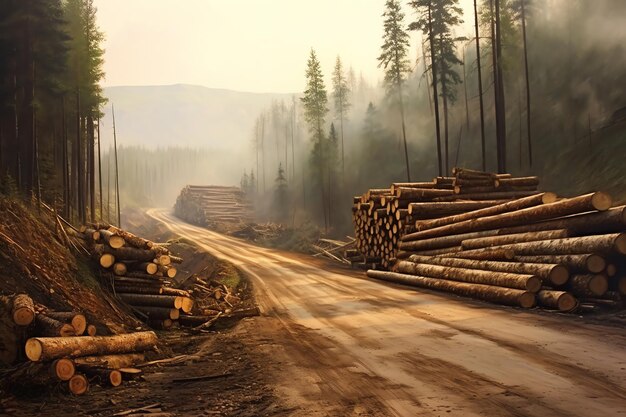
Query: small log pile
[[62, 348], [528, 249], [141, 273], [335, 250], [211, 204]]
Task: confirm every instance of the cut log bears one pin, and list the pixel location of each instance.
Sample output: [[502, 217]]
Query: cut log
[[160, 324], [517, 182], [187, 304], [176, 291], [557, 300], [397, 185], [176, 259], [610, 221], [153, 281], [443, 241], [575, 263], [78, 384], [163, 260], [507, 296], [46, 326], [11, 335], [130, 238], [594, 201], [112, 361], [63, 369], [109, 377], [43, 349], [77, 320], [169, 301], [589, 285], [530, 283], [498, 195], [159, 313], [486, 242], [167, 271], [143, 275], [487, 254], [112, 240], [549, 273], [127, 253], [138, 289], [23, 310], [511, 206], [611, 243], [119, 269], [91, 330], [447, 208], [420, 193]]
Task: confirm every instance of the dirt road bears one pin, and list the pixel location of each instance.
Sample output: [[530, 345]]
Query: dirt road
[[342, 344]]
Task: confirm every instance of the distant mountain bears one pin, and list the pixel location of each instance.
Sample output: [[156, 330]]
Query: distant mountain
[[184, 115]]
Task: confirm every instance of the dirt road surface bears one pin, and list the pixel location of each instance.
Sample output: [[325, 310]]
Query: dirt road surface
[[342, 344]]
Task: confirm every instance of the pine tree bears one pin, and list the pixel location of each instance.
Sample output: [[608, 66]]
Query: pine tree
[[281, 196], [341, 96], [315, 101], [436, 19], [394, 60]]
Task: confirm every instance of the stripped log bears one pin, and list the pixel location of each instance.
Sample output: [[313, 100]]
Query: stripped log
[[507, 296], [23, 310], [489, 241], [595, 201], [77, 320], [575, 263], [589, 285], [553, 274], [526, 282], [557, 300], [43, 349]]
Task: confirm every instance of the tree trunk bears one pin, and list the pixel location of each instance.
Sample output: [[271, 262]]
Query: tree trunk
[[23, 310], [588, 285], [77, 320], [126, 253], [500, 295], [575, 263], [404, 193], [44, 349], [158, 313], [551, 274], [527, 79], [499, 195], [480, 90], [558, 300], [433, 67], [443, 241], [486, 242], [91, 168], [137, 289], [110, 377], [113, 240], [169, 301], [488, 254], [126, 360], [526, 282], [46, 326], [78, 384], [595, 201]]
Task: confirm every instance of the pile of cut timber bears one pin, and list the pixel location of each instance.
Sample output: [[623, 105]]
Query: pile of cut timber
[[141, 272], [62, 348], [537, 249], [212, 204], [382, 216]]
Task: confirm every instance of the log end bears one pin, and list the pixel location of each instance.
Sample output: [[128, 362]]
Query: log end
[[79, 323], [548, 198], [33, 349], [559, 275], [598, 285], [620, 244], [115, 378], [67, 330], [63, 369], [107, 260], [601, 201], [174, 314], [187, 304], [595, 264], [23, 316], [567, 302], [151, 268], [116, 242], [91, 330], [78, 384], [527, 300], [533, 284]]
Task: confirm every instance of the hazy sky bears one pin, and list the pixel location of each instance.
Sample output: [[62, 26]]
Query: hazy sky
[[245, 45]]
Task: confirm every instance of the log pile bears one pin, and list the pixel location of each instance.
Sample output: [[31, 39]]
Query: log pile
[[61, 348], [141, 273], [514, 246], [209, 205]]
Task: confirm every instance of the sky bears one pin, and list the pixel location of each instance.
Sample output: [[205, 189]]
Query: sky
[[243, 45]]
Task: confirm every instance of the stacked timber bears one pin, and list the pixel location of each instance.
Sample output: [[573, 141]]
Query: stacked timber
[[141, 272], [211, 204], [382, 216], [531, 249], [61, 349]]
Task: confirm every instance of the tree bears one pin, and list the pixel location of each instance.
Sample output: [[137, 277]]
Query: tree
[[341, 95], [315, 101], [394, 60], [281, 196], [331, 159], [480, 90], [436, 19]]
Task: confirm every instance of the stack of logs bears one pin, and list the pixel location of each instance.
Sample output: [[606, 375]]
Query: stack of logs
[[211, 204], [140, 271], [532, 249], [62, 348]]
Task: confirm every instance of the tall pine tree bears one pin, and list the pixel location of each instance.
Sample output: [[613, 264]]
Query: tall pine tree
[[341, 96]]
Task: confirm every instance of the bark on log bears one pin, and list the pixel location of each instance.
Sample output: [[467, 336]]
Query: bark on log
[[496, 195], [530, 283], [78, 384], [63, 369], [557, 300], [127, 253], [44, 349], [489, 241], [575, 263], [153, 281], [169, 301], [397, 185], [488, 254], [112, 240], [149, 268], [516, 182], [130, 238], [510, 206], [176, 259], [143, 275], [23, 310], [158, 313], [108, 377], [126, 360], [120, 269], [77, 320], [507, 296], [610, 221], [550, 273], [437, 252], [167, 271], [138, 289], [595, 201], [611, 243], [588, 285], [91, 330], [404, 193], [176, 291], [11, 335], [443, 241], [46, 326], [452, 207]]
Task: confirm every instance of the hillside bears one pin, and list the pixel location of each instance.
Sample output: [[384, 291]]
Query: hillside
[[185, 115]]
